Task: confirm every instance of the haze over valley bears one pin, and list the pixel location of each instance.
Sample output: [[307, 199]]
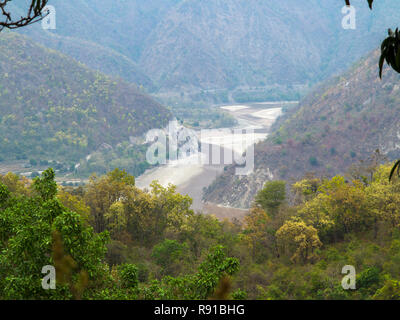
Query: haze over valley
[[204, 62]]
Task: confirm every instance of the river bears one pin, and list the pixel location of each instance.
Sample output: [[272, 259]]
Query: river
[[191, 177]]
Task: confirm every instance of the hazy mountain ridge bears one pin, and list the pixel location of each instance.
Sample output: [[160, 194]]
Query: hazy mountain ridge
[[340, 123], [189, 46], [230, 44]]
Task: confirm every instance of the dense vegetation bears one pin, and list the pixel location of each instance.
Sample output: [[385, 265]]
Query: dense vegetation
[[92, 55], [111, 240], [62, 110], [203, 117]]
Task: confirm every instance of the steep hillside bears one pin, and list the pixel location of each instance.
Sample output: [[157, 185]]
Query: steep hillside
[[188, 47], [223, 44], [98, 58], [93, 55], [52, 107], [342, 122], [242, 43], [106, 36]]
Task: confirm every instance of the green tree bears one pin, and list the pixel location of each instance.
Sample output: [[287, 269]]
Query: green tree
[[168, 255], [128, 274], [27, 225], [369, 280], [201, 285], [153, 214], [103, 192], [45, 186], [299, 239], [271, 197], [4, 194], [257, 233], [390, 291]]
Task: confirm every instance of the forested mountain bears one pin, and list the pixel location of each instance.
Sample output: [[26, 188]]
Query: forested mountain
[[53, 107], [186, 46], [105, 35], [342, 122], [97, 57]]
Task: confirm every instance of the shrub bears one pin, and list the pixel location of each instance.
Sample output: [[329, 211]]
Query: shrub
[[128, 274]]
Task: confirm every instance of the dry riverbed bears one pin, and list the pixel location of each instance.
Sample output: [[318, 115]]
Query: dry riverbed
[[192, 178]]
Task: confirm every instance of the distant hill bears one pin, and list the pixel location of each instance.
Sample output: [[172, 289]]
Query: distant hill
[[93, 55], [253, 48], [52, 107], [105, 35], [99, 58], [342, 122]]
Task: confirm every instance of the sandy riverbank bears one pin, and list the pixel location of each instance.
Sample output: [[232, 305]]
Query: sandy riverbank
[[192, 178]]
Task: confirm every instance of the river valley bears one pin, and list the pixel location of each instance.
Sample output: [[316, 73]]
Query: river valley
[[191, 175]]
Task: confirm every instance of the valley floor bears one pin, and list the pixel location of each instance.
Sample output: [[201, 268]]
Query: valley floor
[[191, 179]]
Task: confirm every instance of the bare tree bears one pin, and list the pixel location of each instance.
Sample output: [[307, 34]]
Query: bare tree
[[34, 14]]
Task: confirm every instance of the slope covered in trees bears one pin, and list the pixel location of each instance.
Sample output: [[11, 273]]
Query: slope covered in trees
[[111, 240], [342, 122], [52, 107], [93, 55], [105, 37]]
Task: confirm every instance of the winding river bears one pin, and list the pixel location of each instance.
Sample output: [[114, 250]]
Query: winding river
[[191, 177]]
